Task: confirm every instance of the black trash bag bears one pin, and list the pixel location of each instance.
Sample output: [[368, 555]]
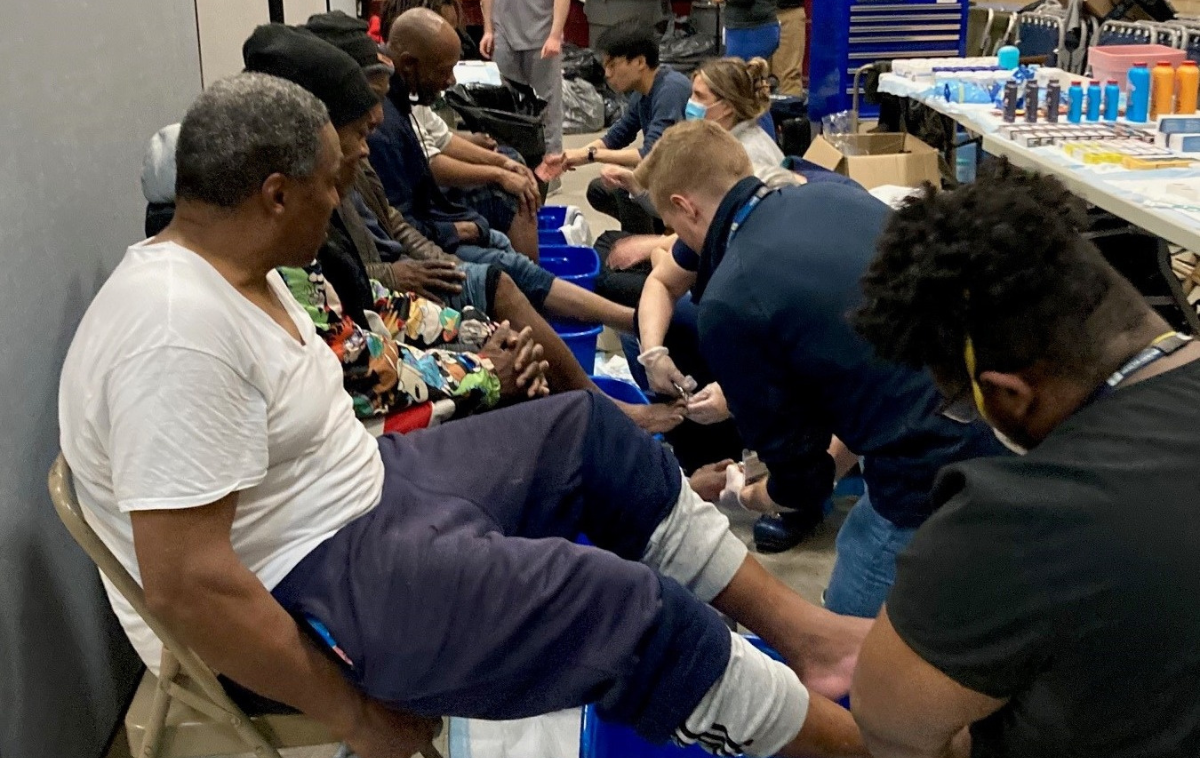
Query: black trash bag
[[583, 107], [614, 105], [683, 49], [582, 63], [511, 114], [784, 107], [510, 97]]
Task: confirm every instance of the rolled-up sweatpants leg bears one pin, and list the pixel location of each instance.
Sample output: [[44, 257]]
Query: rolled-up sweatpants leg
[[462, 594]]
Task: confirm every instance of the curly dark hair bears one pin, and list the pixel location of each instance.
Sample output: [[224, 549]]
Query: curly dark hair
[[1003, 261]]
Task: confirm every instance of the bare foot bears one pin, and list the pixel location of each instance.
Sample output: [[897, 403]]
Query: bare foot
[[655, 418], [826, 652]]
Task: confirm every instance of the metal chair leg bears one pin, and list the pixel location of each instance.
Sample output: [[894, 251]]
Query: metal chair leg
[[168, 669]]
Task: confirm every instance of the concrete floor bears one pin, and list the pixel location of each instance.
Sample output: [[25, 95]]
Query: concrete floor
[[805, 569]]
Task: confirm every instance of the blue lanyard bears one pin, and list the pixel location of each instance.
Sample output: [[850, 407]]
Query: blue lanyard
[[744, 212], [1161, 347]]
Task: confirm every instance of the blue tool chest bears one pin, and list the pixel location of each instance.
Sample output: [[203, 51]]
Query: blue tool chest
[[848, 34]]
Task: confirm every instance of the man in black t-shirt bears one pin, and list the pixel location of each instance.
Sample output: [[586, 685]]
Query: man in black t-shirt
[[1051, 607]]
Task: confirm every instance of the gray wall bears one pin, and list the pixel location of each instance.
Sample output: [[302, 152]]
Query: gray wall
[[82, 87]]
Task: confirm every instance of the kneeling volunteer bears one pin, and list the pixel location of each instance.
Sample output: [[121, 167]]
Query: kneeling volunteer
[[1049, 608], [774, 281]]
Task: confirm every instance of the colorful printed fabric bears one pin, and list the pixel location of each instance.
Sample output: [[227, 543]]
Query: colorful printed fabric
[[388, 369]]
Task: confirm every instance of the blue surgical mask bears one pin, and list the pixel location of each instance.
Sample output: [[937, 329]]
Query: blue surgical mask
[[695, 111]]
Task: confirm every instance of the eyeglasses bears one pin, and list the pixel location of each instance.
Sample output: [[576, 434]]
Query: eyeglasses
[[966, 405]]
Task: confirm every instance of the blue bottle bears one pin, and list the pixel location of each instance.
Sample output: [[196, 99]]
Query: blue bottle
[[1093, 101], [1075, 103], [1137, 108], [1009, 57], [1112, 100]]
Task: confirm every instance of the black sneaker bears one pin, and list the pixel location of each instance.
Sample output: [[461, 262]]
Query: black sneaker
[[778, 534]]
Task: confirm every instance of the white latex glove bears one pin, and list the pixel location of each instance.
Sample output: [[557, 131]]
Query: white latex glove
[[735, 480], [708, 406], [662, 373]]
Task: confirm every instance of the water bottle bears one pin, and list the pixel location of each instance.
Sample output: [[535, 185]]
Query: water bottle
[[1188, 79], [1093, 101], [965, 156], [1112, 100], [1009, 57], [1075, 103], [1053, 95], [1162, 97], [1031, 101], [1010, 101], [1137, 108]]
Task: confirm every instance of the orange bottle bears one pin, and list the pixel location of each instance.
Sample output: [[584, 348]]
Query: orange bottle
[[1187, 78], [1162, 89]]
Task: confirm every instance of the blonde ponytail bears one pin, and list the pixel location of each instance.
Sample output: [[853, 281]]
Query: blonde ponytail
[[746, 86]]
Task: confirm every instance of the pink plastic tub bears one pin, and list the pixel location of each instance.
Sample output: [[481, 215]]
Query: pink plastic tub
[[1114, 61]]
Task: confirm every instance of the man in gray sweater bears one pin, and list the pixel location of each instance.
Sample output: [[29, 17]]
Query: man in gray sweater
[[524, 38]]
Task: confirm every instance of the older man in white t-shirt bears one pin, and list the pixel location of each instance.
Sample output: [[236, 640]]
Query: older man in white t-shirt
[[217, 456]]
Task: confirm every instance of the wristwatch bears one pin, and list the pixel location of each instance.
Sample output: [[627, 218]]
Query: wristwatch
[[591, 155]]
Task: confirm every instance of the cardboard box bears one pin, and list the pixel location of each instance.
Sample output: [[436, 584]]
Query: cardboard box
[[874, 160], [1101, 8]]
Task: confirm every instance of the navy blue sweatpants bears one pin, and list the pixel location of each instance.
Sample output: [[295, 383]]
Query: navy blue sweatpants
[[463, 594]]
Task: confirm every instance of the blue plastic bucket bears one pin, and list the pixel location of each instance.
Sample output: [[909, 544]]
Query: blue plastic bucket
[[619, 390], [551, 237], [581, 339], [573, 263], [600, 739], [552, 217]]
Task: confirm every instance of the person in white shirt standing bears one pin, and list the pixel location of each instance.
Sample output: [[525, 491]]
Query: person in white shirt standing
[[525, 38]]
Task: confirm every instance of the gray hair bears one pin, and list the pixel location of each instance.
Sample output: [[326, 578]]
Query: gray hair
[[241, 130]]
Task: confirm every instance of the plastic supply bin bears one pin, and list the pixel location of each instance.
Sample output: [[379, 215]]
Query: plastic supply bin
[[552, 217], [573, 263], [581, 339], [1114, 61], [600, 739], [551, 237], [621, 390]]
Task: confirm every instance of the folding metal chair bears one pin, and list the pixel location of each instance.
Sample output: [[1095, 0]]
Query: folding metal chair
[[1041, 35], [1125, 33], [1167, 34], [184, 711]]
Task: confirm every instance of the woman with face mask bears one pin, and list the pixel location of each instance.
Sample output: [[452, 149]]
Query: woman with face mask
[[735, 94]]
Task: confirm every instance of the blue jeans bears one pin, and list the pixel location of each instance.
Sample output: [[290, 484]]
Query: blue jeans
[[497, 250], [865, 570], [478, 289]]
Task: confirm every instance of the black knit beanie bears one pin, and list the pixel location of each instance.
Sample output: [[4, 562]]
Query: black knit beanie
[[349, 35], [301, 57]]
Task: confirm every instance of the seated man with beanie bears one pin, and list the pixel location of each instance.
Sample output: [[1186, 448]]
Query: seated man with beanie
[[217, 456], [359, 241]]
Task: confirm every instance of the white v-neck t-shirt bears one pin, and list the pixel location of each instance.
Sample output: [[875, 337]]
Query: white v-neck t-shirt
[[177, 391]]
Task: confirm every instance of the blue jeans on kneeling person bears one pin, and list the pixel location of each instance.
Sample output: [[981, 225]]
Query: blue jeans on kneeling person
[[497, 250], [867, 546]]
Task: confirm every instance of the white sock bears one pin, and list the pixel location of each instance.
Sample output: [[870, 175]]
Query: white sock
[[693, 546], [756, 707]]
